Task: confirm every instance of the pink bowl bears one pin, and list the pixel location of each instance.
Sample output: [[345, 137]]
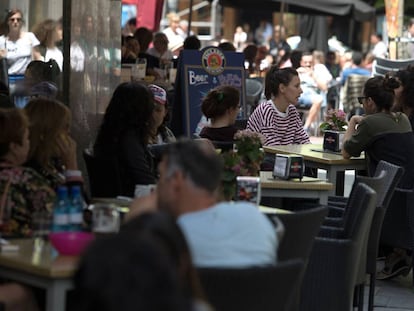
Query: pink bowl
[[70, 243]]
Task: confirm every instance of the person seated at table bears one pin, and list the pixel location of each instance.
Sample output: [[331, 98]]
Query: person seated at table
[[277, 118], [314, 78], [188, 188], [160, 48], [125, 132], [130, 50], [192, 43], [52, 149], [221, 106], [144, 37], [22, 190], [150, 269], [161, 134], [405, 93], [384, 135], [164, 227]]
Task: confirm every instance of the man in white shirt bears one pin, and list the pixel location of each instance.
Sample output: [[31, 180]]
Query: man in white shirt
[[226, 234], [314, 80], [379, 48]]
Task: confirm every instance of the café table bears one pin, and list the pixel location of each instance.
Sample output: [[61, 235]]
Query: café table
[[40, 266], [308, 187], [315, 157]]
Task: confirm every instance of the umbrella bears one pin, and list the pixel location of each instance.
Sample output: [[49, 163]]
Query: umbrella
[[357, 9]]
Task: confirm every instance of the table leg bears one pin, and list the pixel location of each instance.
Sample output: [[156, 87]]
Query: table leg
[[56, 295], [323, 198], [340, 183], [337, 177]]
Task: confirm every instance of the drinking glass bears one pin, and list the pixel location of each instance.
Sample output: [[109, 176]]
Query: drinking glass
[[105, 218], [138, 71]]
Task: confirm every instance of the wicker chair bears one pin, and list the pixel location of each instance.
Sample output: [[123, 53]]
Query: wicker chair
[[300, 230], [351, 90], [256, 288], [332, 270], [382, 66], [384, 182]]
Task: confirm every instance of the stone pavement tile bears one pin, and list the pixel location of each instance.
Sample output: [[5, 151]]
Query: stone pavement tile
[[396, 294], [404, 303], [380, 301]]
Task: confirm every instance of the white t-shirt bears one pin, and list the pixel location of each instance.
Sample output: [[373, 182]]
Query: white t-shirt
[[55, 54], [19, 53], [77, 57], [380, 50], [230, 234], [175, 40]]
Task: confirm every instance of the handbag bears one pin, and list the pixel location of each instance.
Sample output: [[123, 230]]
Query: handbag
[[4, 76]]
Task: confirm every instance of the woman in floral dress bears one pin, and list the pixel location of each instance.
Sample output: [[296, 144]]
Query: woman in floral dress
[[22, 190]]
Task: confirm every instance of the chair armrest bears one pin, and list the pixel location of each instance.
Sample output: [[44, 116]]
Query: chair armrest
[[335, 211], [331, 232], [337, 198]]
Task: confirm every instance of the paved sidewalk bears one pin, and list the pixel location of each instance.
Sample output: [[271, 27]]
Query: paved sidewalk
[[393, 295]]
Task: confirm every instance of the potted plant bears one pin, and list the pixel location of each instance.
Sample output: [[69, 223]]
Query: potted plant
[[243, 160], [334, 129]]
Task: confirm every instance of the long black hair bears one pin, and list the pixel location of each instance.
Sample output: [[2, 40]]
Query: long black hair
[[130, 108]]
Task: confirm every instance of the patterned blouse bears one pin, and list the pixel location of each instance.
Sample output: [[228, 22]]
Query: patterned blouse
[[22, 191]]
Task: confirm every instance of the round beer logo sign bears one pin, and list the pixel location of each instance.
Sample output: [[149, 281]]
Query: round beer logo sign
[[213, 60]]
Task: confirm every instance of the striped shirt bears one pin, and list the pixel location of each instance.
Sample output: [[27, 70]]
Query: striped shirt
[[278, 128]]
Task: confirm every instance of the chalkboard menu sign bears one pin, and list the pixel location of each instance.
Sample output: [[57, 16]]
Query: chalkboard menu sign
[[198, 73]]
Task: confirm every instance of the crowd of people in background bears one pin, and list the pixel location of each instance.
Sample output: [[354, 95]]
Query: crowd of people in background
[[38, 152]]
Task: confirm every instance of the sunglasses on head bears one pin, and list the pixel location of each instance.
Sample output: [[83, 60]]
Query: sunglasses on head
[[361, 99]]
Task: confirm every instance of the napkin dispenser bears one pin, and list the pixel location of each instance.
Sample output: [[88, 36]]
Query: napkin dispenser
[[332, 140], [288, 166]]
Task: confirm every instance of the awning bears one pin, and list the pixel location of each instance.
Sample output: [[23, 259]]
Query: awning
[[356, 9]]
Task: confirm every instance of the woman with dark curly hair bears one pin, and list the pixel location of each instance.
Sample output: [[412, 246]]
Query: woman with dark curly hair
[[221, 106], [386, 135], [125, 133]]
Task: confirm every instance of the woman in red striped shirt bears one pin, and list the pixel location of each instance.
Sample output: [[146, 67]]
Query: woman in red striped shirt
[[277, 118]]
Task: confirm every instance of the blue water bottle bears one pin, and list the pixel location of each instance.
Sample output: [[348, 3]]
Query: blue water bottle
[[76, 209], [60, 210]]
